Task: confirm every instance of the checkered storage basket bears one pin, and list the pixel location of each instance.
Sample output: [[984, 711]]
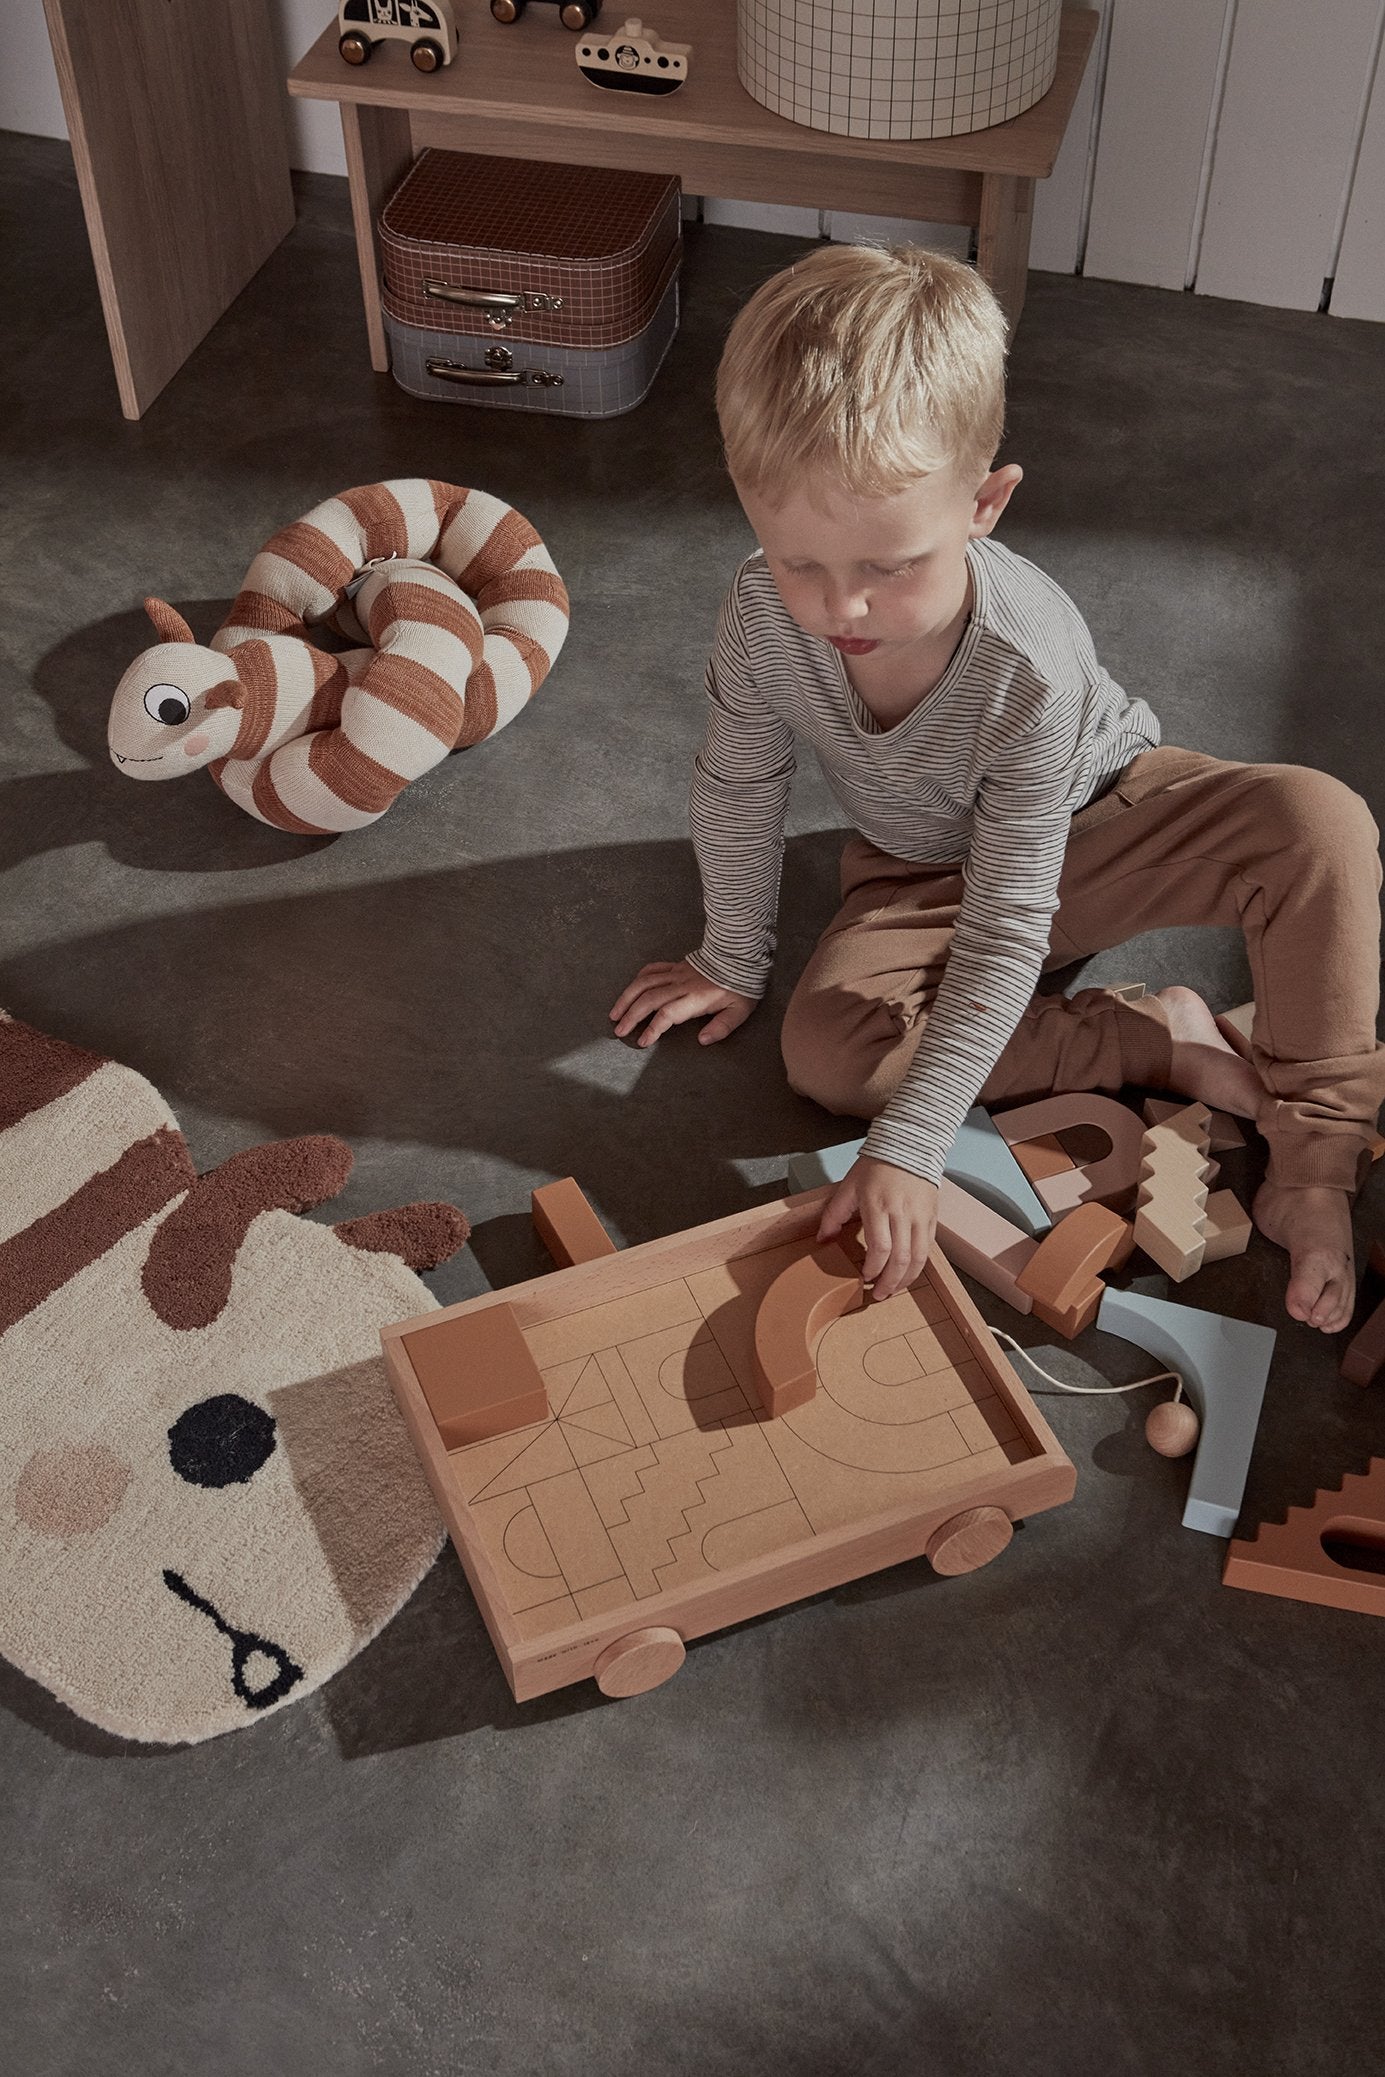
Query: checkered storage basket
[[574, 256], [512, 374]]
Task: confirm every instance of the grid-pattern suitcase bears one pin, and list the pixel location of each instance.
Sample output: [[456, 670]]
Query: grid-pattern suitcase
[[531, 375], [576, 256]]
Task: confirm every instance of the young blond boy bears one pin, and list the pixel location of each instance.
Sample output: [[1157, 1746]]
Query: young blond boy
[[1013, 805]]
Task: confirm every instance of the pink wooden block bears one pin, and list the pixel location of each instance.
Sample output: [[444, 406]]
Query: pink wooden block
[[978, 1241], [1111, 1181]]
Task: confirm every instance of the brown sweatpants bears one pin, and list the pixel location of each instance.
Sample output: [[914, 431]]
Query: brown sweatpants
[[1288, 854]]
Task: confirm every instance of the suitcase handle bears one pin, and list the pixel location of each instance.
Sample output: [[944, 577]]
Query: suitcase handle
[[500, 306], [491, 378]]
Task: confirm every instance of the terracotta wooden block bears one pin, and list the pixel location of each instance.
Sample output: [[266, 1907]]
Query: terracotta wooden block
[[1224, 1135], [1306, 1557], [567, 1225], [1226, 1227], [1171, 1212], [977, 1240], [477, 1376], [794, 1314], [1042, 1157], [1224, 1365], [659, 1501], [1062, 1275], [1111, 1180], [1365, 1353]]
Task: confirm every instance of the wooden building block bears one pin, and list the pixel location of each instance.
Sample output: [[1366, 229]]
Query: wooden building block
[[567, 1225], [794, 1314], [1171, 1211], [1226, 1227], [1111, 1180], [1365, 1353], [1224, 1134], [1042, 1157], [823, 1165], [1235, 1027], [982, 1163], [1224, 1365], [977, 1240], [477, 1375], [1061, 1276], [1307, 1556], [1128, 991]]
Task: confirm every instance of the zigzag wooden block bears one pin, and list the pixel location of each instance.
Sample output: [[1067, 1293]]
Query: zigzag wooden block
[[1296, 1558], [1171, 1210]]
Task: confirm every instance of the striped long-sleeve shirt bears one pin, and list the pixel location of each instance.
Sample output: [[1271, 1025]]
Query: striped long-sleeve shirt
[[1022, 730]]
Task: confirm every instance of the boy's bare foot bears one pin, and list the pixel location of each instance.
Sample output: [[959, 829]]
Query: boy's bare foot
[[1315, 1226], [1204, 1068]]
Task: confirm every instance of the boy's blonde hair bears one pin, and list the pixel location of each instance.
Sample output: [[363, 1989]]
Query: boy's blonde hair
[[871, 366]]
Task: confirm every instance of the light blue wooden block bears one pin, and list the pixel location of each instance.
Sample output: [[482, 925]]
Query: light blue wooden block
[[980, 1162], [823, 1165], [1224, 1364]]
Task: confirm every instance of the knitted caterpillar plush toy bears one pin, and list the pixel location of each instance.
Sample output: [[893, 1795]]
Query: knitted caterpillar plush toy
[[465, 612]]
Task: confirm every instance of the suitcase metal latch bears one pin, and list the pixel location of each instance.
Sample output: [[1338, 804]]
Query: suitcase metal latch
[[500, 307]]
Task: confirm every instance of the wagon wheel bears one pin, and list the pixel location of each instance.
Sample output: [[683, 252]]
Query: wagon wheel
[[971, 1539], [641, 1660], [355, 48], [507, 10], [427, 55], [576, 14]]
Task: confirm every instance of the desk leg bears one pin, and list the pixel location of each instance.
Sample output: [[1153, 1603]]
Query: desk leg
[[379, 151], [1002, 238]]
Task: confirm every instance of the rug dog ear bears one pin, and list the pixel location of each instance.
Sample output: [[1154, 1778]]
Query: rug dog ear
[[187, 1273], [421, 1235], [169, 624]]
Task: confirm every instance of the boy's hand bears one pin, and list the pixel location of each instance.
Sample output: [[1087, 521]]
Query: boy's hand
[[669, 992], [898, 1214]]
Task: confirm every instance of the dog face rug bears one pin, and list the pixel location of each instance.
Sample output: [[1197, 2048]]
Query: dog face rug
[[208, 1500]]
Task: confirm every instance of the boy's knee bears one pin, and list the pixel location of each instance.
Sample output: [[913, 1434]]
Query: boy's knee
[[1315, 809], [835, 1049]]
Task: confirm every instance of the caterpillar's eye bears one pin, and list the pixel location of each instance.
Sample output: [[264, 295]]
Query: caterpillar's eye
[[167, 704]]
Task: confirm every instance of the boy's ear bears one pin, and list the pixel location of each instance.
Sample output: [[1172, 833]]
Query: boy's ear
[[992, 498]]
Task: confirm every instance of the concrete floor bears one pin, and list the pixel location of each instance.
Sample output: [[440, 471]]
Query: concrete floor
[[1085, 1812]]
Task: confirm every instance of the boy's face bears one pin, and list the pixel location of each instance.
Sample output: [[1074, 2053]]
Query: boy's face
[[868, 574]]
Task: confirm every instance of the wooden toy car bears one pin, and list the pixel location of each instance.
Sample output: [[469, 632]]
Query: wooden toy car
[[574, 14], [659, 1498], [633, 59], [429, 27]]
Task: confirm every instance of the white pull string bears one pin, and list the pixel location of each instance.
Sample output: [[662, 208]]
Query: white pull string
[[1157, 1379]]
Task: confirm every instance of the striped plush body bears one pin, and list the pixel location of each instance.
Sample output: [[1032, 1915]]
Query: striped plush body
[[464, 613]]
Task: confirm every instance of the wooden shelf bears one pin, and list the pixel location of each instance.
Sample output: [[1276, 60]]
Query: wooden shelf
[[517, 92]]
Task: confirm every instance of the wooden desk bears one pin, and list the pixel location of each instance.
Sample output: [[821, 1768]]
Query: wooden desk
[[517, 92]]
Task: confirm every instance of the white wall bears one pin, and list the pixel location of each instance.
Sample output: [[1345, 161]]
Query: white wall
[[1236, 147]]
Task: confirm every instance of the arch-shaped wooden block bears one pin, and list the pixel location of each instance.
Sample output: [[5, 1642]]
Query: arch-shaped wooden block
[[644, 1659], [1111, 1181], [969, 1541], [796, 1311], [1062, 1276]]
